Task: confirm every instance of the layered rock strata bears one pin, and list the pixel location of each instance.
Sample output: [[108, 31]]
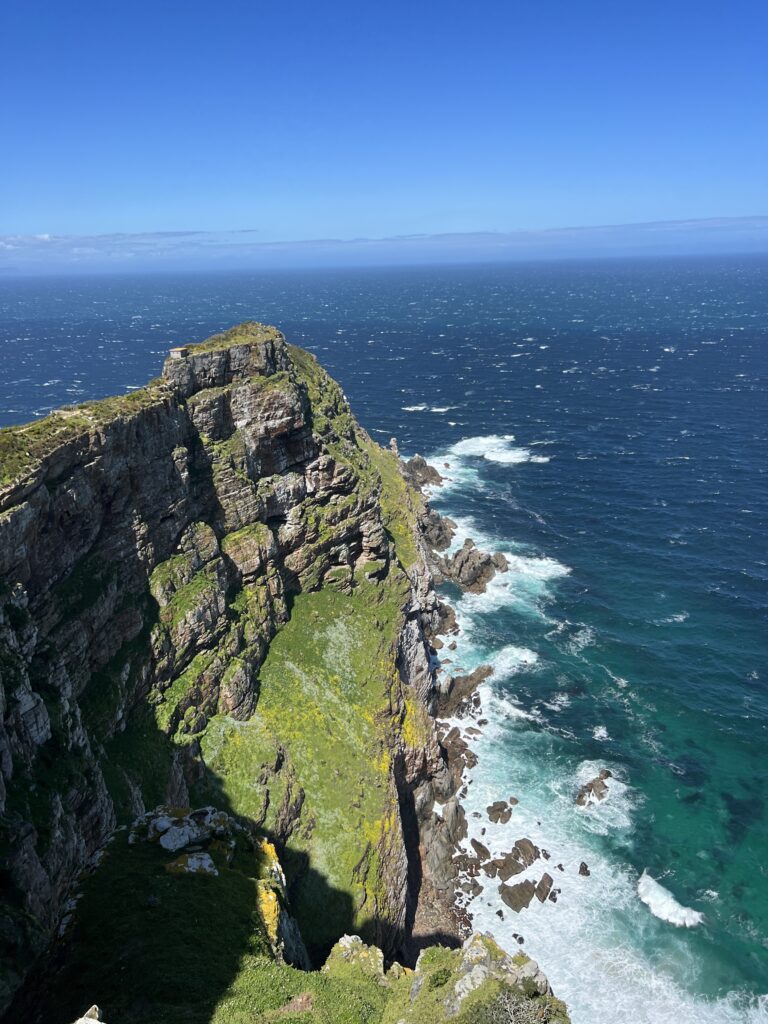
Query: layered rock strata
[[152, 547]]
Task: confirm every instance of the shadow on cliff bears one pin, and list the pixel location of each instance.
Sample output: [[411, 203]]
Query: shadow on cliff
[[153, 947], [150, 946]]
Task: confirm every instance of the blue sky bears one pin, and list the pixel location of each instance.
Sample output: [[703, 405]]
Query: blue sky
[[337, 120]]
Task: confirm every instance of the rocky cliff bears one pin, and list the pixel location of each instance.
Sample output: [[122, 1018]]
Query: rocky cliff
[[214, 594], [151, 547]]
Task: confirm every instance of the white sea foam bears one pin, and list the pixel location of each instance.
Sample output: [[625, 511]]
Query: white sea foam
[[663, 904], [597, 964], [592, 962], [670, 619], [524, 586], [421, 407], [510, 660], [584, 636], [559, 702], [495, 448], [600, 732]]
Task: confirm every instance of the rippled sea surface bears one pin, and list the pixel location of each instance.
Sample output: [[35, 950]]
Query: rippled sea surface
[[605, 425]]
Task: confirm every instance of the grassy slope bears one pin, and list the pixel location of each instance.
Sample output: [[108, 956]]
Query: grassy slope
[[153, 947]]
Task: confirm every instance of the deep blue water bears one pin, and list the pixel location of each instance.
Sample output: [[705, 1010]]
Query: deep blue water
[[605, 424]]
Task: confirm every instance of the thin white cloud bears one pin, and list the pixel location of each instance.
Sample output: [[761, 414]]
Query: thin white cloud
[[180, 249]]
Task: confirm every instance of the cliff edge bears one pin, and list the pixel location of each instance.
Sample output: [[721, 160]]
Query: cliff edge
[[213, 595]]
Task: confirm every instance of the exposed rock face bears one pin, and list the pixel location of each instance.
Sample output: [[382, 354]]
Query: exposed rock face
[[444, 984], [150, 549], [472, 568], [500, 811], [438, 530], [518, 897], [455, 697], [421, 473], [594, 790]]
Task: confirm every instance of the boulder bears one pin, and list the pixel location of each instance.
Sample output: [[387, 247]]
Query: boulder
[[544, 887], [471, 568], [518, 897], [480, 849], [499, 812], [420, 473], [454, 698]]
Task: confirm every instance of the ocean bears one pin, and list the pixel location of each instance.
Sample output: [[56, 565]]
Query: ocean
[[604, 424]]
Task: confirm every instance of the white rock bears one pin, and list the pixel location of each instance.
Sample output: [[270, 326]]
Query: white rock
[[181, 834]]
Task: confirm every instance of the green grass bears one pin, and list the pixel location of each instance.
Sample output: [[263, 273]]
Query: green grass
[[398, 502], [247, 333], [22, 448], [325, 697], [151, 946]]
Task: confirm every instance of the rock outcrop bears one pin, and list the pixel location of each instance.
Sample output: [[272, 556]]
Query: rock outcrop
[[471, 568], [595, 790], [477, 982], [217, 686], [151, 548]]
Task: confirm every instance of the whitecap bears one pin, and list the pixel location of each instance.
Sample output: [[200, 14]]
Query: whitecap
[[495, 448], [585, 636], [510, 660], [600, 732], [559, 702], [670, 619], [663, 904], [422, 407]]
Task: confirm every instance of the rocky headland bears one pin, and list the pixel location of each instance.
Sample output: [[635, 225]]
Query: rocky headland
[[218, 690]]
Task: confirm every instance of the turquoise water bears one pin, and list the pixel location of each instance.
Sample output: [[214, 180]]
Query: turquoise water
[[604, 424]]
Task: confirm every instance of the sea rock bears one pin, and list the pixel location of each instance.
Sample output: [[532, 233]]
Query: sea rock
[[521, 856], [526, 852], [499, 812], [584, 870], [544, 887], [518, 897], [471, 568], [454, 698], [421, 473], [437, 530], [594, 790], [480, 849]]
